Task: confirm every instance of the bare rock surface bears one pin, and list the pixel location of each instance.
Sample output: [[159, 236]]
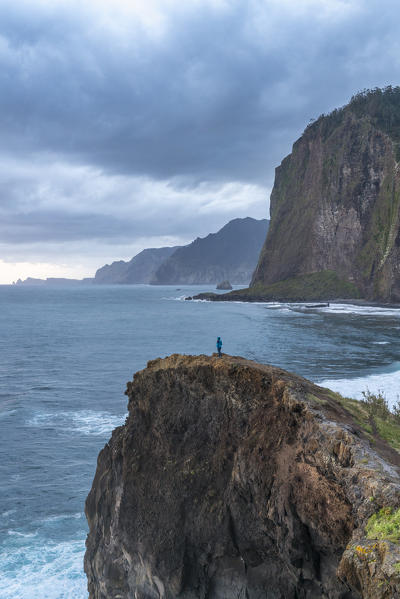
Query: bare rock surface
[[232, 479]]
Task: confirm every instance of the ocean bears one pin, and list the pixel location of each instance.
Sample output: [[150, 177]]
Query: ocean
[[65, 357]]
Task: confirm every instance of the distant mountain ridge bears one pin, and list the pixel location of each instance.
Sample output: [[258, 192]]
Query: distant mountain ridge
[[140, 269], [230, 254], [54, 282]]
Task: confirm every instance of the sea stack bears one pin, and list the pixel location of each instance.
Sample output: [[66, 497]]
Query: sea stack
[[224, 285], [232, 479]]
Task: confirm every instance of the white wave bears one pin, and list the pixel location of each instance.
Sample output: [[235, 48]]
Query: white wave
[[7, 513], [43, 571], [60, 517], [380, 342], [87, 422], [179, 298], [7, 413], [24, 535], [96, 423], [333, 308], [361, 310], [387, 383]]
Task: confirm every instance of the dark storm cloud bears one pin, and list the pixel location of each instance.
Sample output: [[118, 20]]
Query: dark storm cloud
[[219, 93], [154, 126], [56, 226]]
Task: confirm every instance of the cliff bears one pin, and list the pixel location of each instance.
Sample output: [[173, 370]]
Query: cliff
[[230, 254], [140, 269], [334, 231], [231, 479]]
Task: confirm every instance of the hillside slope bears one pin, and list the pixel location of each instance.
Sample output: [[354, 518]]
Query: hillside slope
[[140, 269], [230, 254]]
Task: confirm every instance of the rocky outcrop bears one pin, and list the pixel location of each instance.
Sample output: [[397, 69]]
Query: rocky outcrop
[[231, 253], [335, 206], [224, 285], [235, 480]]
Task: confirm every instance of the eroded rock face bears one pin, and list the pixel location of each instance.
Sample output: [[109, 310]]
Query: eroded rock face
[[335, 205], [233, 480]]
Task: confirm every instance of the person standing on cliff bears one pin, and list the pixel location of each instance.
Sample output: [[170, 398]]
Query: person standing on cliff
[[219, 346]]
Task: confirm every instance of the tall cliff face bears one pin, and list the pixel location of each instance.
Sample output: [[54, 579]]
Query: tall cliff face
[[232, 480], [336, 201]]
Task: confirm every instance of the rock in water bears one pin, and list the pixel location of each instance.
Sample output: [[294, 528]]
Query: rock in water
[[224, 285], [230, 480]]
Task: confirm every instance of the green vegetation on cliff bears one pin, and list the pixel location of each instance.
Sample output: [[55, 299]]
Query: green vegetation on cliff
[[320, 286], [384, 525], [374, 416], [380, 106]]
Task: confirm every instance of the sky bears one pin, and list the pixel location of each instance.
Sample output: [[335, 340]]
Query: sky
[[127, 125]]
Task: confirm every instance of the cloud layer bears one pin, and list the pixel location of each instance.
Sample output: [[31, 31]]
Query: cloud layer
[[162, 119]]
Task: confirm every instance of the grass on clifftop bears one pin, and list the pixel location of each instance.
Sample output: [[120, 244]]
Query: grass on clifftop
[[374, 416], [318, 286], [380, 106], [384, 525]]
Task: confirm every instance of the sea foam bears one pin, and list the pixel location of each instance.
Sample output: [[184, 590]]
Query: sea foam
[[387, 383], [43, 571], [86, 422]]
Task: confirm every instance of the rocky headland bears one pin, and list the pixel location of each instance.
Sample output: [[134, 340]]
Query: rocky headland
[[229, 254], [140, 269], [232, 479], [335, 209]]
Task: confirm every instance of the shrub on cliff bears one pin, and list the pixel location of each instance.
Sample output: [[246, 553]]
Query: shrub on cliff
[[377, 404], [385, 524]]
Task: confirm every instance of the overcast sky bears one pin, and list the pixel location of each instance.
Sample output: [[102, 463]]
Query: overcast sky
[[127, 125]]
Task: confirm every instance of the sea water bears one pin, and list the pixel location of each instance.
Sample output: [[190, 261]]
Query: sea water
[[65, 356]]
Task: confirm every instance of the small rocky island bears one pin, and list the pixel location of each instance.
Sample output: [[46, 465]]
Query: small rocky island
[[232, 479], [224, 285]]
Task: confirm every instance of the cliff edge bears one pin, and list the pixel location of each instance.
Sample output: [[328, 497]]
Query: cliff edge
[[232, 479]]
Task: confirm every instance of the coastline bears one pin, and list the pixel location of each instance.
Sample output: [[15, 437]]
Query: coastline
[[214, 297]]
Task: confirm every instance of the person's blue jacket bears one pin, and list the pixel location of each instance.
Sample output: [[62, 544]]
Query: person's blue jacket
[[219, 343]]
